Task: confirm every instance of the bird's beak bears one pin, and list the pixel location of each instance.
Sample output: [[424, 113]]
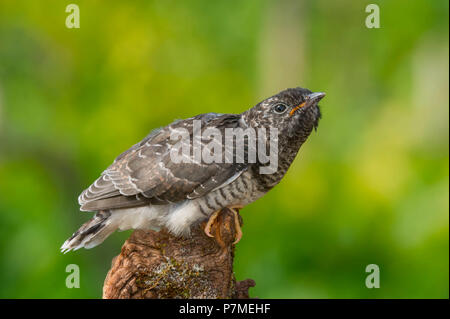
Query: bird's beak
[[310, 99], [314, 98]]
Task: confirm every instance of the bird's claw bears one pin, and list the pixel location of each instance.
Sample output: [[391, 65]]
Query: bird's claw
[[237, 224], [210, 222]]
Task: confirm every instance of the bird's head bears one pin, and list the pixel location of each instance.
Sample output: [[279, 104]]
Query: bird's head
[[294, 112]]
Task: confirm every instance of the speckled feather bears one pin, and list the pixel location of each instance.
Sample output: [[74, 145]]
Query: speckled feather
[[145, 174], [145, 189]]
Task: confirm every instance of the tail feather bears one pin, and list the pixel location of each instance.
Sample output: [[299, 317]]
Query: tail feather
[[91, 233]]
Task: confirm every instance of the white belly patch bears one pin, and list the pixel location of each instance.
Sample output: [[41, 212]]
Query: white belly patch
[[176, 217]]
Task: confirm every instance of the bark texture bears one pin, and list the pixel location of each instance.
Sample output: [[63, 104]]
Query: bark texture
[[160, 265]]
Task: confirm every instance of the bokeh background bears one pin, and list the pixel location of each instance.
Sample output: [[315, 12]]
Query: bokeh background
[[371, 186]]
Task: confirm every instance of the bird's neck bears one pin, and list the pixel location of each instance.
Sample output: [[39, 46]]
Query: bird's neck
[[287, 151]]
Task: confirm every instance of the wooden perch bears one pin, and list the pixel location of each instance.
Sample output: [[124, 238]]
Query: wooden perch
[[160, 265]]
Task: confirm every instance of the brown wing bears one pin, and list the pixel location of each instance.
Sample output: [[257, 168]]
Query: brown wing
[[145, 174]]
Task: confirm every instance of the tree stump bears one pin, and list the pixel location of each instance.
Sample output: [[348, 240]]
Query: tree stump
[[161, 265]]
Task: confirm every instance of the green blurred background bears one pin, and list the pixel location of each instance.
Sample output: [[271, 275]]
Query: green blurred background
[[371, 186]]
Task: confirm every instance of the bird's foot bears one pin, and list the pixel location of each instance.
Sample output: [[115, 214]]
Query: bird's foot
[[237, 224], [210, 223]]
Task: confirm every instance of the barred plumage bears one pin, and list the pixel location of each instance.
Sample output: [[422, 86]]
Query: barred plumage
[[144, 187]]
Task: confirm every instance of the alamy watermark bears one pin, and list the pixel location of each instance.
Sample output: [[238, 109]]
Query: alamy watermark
[[373, 279], [238, 145], [373, 19], [73, 279], [73, 19]]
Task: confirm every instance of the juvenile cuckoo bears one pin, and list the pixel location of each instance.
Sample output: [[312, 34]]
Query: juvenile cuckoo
[[144, 188]]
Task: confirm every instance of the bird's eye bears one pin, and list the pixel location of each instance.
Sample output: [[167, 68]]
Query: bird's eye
[[280, 108]]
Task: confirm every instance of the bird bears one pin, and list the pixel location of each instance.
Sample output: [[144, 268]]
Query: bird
[[145, 188]]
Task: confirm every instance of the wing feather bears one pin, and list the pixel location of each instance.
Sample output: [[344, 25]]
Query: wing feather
[[145, 174]]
